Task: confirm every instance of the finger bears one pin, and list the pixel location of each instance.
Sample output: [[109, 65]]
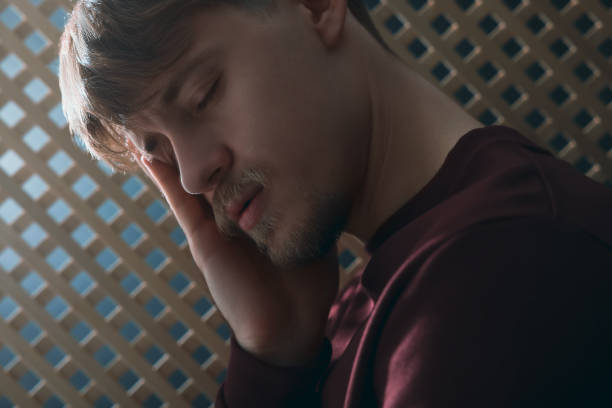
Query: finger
[[189, 211]]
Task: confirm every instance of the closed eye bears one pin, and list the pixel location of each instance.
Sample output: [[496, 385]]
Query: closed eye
[[204, 102]]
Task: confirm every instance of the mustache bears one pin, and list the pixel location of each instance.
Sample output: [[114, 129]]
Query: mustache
[[235, 187]]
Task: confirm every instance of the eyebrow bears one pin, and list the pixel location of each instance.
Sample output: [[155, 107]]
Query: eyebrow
[[179, 78]]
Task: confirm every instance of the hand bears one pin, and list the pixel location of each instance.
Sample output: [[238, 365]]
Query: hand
[[277, 315]]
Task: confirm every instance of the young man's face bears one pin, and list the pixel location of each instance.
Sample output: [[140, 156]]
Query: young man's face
[[283, 120]]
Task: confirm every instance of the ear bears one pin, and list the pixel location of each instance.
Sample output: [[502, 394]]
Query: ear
[[327, 17]]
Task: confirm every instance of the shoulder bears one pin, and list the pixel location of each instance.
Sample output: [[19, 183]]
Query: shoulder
[[499, 306]]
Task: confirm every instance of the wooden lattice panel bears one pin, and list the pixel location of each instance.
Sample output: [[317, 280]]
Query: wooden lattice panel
[[100, 302], [542, 67]]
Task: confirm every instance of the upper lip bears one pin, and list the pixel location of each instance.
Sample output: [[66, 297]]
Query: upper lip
[[235, 207]]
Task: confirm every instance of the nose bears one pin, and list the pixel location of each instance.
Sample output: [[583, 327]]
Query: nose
[[202, 165]]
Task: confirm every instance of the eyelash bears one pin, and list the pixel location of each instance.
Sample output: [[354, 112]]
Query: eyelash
[[204, 102]]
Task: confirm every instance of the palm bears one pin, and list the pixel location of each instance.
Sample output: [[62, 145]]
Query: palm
[[277, 314]]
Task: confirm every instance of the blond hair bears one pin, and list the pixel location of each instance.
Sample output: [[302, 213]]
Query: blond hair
[[111, 49]]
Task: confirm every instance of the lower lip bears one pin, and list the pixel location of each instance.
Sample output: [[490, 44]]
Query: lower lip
[[250, 216]]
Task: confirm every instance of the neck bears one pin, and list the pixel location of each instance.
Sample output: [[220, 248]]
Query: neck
[[413, 127]]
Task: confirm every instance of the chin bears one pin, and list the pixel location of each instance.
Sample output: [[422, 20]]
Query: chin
[[306, 240]]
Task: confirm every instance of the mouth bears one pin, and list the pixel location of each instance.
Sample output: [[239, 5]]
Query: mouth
[[238, 206]]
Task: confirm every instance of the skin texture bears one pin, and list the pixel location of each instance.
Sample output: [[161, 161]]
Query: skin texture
[[337, 132]]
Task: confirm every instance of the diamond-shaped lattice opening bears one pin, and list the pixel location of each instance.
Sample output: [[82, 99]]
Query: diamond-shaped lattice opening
[[535, 118], [371, 4], [417, 4], [8, 308], [36, 42], [10, 211], [7, 357], [9, 259], [605, 48], [11, 17], [106, 307], [105, 356], [464, 48], [32, 283], [35, 187], [440, 71], [200, 401], [559, 95], [584, 23], [177, 378], [464, 94], [33, 235], [465, 5], [55, 356], [394, 24], [130, 331], [59, 211], [153, 401], [108, 211], [583, 118], [156, 211], [132, 234], [81, 332], [107, 259], [584, 71], [489, 24], [201, 355], [82, 283], [131, 283], [179, 282], [36, 138], [31, 332], [584, 164], [79, 380], [11, 114], [513, 4], [178, 330], [56, 114], [36, 90], [441, 24], [104, 402], [605, 142], [57, 307], [153, 355], [58, 18], [561, 47], [154, 307], [488, 71], [83, 235], [12, 66], [11, 162], [537, 23], [178, 236], [58, 259], [60, 163], [418, 47], [605, 95], [488, 117], [560, 4], [513, 47], [558, 142], [536, 71]]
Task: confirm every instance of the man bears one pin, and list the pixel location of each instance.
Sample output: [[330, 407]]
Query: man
[[270, 128]]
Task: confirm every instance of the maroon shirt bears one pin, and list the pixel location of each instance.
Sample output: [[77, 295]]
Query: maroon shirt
[[492, 287]]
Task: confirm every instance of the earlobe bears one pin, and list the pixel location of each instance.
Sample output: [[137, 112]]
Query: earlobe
[[328, 19]]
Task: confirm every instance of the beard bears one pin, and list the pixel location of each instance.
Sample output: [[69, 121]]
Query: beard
[[297, 241]]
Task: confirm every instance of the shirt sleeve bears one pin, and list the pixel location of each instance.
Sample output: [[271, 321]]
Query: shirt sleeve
[[251, 382]]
